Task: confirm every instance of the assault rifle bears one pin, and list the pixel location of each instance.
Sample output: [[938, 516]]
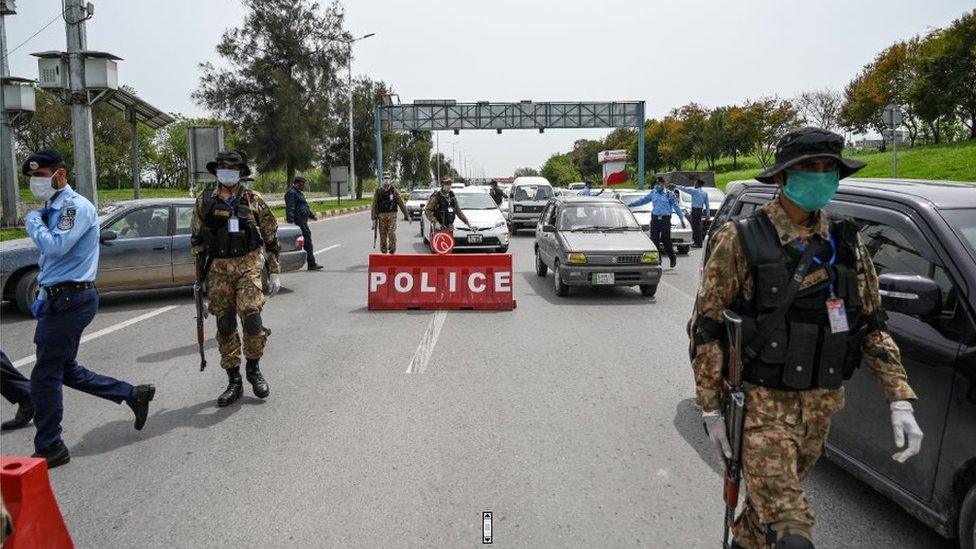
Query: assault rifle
[[374, 234], [734, 410], [203, 267]]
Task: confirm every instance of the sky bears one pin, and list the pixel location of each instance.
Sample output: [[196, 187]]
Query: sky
[[667, 53]]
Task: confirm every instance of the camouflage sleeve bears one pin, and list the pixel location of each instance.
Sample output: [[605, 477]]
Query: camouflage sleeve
[[196, 227], [268, 226], [722, 278], [402, 204], [372, 209], [880, 351], [431, 205]]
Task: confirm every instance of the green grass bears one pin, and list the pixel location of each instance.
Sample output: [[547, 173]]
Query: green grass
[[953, 161], [113, 195], [12, 233], [322, 206]]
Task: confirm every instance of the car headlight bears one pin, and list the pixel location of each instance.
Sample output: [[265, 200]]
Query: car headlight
[[650, 257], [576, 258]]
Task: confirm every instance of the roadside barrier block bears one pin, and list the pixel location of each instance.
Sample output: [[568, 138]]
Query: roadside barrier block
[[445, 282], [30, 501]]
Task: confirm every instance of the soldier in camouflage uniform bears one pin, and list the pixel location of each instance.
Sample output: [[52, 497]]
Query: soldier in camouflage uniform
[[386, 200], [235, 233], [793, 379]]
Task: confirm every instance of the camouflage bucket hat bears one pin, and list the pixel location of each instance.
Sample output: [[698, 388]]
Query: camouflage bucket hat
[[799, 145], [234, 158]]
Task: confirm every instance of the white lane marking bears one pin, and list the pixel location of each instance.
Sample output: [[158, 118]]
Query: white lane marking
[[327, 249], [422, 356], [105, 331], [679, 290]]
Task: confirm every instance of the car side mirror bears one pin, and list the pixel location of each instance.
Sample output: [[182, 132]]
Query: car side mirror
[[910, 294], [107, 234], [548, 228]]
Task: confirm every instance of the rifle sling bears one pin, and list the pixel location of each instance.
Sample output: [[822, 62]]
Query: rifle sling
[[765, 328]]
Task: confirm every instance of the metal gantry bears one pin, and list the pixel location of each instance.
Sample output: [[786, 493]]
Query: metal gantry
[[433, 115]]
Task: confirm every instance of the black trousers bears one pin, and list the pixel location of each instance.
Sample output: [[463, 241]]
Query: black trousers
[[13, 385], [661, 234], [307, 237], [697, 235]]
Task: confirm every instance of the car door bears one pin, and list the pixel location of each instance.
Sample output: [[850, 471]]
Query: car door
[[140, 255], [184, 270], [547, 241], [862, 430]]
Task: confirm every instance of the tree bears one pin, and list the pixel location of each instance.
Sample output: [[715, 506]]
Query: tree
[[413, 157], [282, 79], [585, 158], [959, 49], [559, 170], [169, 149], [446, 170], [771, 117], [674, 144], [740, 133], [524, 172], [693, 117], [820, 108]]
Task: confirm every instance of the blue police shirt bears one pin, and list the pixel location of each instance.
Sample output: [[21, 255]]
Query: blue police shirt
[[699, 198], [664, 203], [68, 241], [587, 191]]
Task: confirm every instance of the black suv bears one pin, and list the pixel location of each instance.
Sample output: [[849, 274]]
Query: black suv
[[922, 238]]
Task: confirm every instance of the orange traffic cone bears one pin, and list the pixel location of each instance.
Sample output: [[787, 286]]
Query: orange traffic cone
[[37, 521]]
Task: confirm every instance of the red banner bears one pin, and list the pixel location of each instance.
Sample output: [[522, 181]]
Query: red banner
[[615, 178], [453, 281]]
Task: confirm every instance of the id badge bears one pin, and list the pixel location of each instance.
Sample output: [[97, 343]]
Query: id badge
[[233, 225], [450, 210], [837, 314]]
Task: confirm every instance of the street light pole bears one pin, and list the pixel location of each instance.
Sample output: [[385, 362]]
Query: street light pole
[[75, 15], [352, 142], [8, 174]]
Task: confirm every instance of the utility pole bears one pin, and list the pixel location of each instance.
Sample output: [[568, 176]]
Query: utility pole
[[75, 15], [352, 142], [438, 156], [8, 174]]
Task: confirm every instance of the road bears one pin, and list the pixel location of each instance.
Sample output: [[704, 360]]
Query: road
[[572, 420]]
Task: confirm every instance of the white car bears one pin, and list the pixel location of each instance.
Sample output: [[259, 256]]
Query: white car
[[417, 202], [528, 198], [680, 237], [492, 229]]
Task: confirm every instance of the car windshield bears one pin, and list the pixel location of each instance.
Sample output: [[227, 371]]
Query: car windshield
[[715, 196], [531, 192], [475, 201], [963, 223], [420, 194], [630, 197], [583, 217]]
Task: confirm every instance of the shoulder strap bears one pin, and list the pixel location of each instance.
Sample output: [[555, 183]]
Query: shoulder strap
[[758, 238], [765, 328]]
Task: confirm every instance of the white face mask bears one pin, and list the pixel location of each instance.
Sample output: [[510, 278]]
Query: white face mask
[[386, 184], [446, 189], [228, 178], [41, 187]]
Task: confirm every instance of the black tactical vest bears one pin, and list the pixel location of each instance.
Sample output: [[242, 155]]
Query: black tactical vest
[[446, 206], [218, 241], [801, 352], [386, 201]]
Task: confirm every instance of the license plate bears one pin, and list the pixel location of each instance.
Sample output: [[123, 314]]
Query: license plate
[[474, 238], [602, 278]]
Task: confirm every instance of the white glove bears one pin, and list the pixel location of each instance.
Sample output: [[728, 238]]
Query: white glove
[[274, 283], [903, 422], [437, 227], [715, 427]]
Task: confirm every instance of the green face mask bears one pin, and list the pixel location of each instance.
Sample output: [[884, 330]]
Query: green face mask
[[811, 190], [658, 187]]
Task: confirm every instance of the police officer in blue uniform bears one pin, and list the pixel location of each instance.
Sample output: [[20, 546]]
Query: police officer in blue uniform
[[699, 210], [66, 232], [665, 202], [298, 212], [15, 388]]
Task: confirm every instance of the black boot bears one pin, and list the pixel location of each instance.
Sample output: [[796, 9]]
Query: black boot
[[257, 380], [25, 411], [139, 402], [674, 261], [235, 387], [55, 455]]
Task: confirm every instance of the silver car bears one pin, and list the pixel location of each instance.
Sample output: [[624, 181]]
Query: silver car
[[145, 244], [593, 241]]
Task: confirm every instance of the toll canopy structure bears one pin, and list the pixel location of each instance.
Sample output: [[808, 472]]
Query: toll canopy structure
[[433, 115], [136, 110]]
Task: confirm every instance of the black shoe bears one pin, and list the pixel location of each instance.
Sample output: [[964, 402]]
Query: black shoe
[[139, 402], [674, 261], [55, 455], [234, 390], [25, 411], [315, 267], [392, 252], [257, 381]]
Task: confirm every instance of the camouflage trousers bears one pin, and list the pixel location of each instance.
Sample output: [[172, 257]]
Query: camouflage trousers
[[387, 229], [783, 438], [234, 290]]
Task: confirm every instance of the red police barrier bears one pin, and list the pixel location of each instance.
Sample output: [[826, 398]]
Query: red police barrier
[[452, 281], [33, 510]]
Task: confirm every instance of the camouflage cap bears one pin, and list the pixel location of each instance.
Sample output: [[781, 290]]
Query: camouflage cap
[[234, 158]]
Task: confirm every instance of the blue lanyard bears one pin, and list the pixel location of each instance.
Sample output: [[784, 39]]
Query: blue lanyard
[[230, 204], [830, 262]]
